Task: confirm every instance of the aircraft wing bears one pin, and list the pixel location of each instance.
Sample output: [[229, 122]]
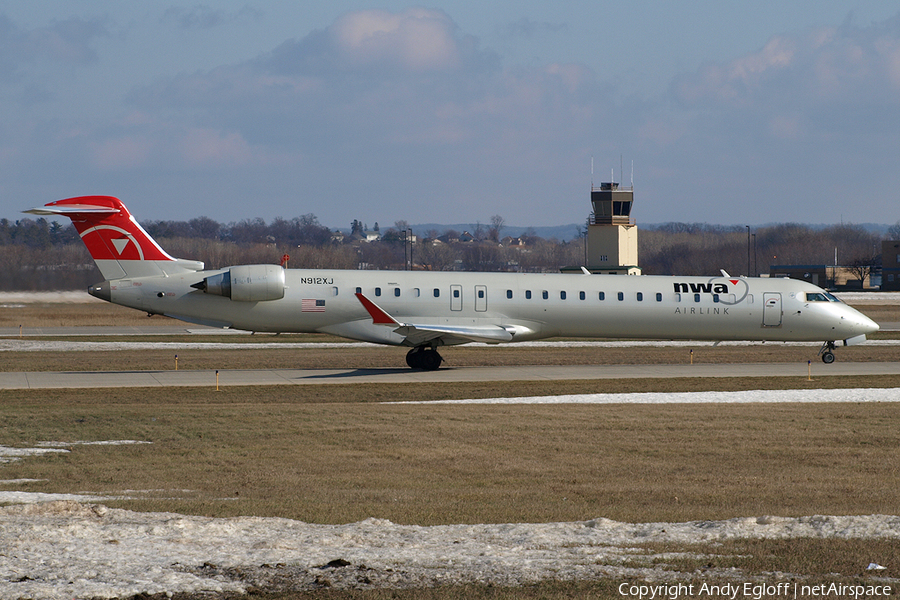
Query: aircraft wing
[[417, 334]]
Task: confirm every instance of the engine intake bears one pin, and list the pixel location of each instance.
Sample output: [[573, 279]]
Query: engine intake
[[246, 283]]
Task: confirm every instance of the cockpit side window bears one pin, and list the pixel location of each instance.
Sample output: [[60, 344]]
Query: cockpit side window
[[821, 297]]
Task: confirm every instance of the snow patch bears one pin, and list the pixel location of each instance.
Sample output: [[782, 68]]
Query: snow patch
[[68, 549], [8, 454], [99, 443], [744, 397]]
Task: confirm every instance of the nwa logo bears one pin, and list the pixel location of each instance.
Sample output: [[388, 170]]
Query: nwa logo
[[728, 291], [702, 288], [111, 242], [120, 244]]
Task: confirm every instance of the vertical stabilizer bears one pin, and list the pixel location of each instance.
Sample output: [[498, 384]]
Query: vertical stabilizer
[[117, 243]]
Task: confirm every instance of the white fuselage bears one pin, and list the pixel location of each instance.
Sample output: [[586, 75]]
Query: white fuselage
[[530, 306]]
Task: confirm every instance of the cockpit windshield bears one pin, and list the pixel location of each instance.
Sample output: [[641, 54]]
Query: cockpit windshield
[[821, 297]]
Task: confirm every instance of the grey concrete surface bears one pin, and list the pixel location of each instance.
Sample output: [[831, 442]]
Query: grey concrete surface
[[231, 378]]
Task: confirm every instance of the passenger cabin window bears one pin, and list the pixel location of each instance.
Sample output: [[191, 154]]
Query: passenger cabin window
[[640, 296], [696, 297], [658, 297], [603, 295], [562, 295], [528, 294], [581, 295], [437, 293], [481, 293], [621, 296], [456, 293], [377, 291], [359, 290], [545, 294], [417, 292], [509, 294], [715, 297], [397, 292]]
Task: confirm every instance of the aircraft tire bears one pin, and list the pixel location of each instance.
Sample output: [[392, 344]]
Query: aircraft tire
[[431, 360], [414, 358], [828, 357], [424, 359]]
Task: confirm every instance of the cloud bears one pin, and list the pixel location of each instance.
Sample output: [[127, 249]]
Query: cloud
[[528, 29], [380, 43], [66, 42], [203, 16], [827, 65], [123, 152], [202, 147], [400, 104], [417, 39], [375, 77]]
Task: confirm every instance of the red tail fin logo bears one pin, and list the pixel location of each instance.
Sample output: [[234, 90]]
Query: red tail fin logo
[[107, 228]]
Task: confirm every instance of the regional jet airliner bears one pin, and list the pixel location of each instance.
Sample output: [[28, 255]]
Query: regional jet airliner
[[424, 310]]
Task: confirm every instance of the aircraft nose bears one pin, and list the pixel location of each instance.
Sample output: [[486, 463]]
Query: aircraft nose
[[870, 325], [860, 324]]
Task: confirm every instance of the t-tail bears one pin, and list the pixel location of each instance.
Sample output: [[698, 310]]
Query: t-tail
[[120, 247]]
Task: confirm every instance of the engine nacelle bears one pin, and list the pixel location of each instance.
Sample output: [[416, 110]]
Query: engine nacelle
[[246, 283]]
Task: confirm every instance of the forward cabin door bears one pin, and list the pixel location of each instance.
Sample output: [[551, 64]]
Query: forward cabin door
[[771, 309]]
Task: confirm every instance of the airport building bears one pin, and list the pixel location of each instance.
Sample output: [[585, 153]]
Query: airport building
[[611, 245], [890, 265]]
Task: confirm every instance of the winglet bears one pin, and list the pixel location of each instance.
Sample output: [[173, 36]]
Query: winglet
[[379, 317]]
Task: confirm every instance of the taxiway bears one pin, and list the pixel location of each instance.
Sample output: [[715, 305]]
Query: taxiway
[[238, 377]]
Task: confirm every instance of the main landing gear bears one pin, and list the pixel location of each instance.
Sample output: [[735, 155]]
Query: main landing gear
[[424, 358], [827, 352]]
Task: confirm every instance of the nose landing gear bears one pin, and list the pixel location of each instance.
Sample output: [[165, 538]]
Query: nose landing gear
[[827, 352], [424, 358]]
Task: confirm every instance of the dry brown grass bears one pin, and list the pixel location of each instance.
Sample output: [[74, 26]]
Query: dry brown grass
[[77, 314], [259, 451]]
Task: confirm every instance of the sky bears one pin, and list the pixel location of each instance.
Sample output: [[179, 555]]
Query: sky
[[719, 112]]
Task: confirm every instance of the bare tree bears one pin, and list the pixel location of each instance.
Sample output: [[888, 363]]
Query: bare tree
[[497, 223], [861, 268]]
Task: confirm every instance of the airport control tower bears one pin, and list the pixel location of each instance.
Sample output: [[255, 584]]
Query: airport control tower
[[612, 234]]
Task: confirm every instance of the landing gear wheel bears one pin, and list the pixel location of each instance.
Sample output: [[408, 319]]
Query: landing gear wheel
[[426, 359], [827, 352]]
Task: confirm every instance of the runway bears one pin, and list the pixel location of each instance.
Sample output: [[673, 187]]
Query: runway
[[236, 378]]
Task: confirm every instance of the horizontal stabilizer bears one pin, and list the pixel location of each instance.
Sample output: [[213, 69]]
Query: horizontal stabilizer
[[73, 210], [416, 334]]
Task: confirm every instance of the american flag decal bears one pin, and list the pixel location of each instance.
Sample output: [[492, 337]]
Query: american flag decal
[[311, 305]]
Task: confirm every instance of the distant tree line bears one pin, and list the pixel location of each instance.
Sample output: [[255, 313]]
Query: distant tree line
[[42, 255]]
